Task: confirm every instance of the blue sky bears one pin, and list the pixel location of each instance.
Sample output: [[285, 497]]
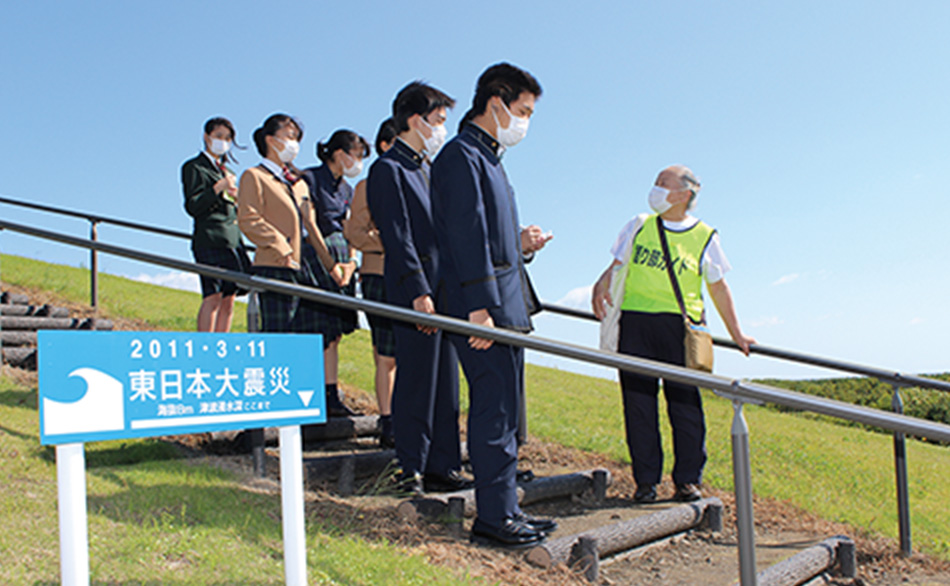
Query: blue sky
[[817, 128]]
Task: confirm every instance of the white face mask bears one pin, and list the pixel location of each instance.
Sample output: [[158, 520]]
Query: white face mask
[[657, 199], [219, 147], [517, 128], [434, 142], [355, 170], [291, 148]]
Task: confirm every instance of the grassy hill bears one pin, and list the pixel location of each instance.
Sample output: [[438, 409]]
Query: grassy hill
[[840, 473]]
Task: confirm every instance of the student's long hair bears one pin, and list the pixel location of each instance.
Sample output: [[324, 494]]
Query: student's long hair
[[217, 121], [341, 139], [274, 123], [386, 133]]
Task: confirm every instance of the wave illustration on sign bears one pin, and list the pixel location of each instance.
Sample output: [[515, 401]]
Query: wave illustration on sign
[[99, 409]]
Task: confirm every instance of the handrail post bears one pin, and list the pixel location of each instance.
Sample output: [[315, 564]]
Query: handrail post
[[256, 436], [742, 479], [900, 469], [253, 312], [93, 264]]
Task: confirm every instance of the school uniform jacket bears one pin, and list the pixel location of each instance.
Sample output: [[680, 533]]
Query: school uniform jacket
[[268, 217], [476, 223], [398, 195], [361, 232], [215, 218]]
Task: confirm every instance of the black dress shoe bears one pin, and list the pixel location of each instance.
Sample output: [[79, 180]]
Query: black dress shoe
[[510, 535], [524, 476], [450, 482], [544, 525], [687, 493], [645, 494]]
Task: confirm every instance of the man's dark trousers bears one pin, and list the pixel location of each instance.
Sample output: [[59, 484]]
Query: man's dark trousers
[[659, 337], [427, 441]]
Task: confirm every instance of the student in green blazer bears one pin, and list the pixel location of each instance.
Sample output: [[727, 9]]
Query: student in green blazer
[[210, 190]]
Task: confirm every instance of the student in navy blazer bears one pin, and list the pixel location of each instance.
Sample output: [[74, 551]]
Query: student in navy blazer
[[425, 397], [483, 250]]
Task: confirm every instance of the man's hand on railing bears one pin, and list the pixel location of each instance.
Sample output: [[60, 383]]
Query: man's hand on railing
[[480, 317], [423, 303]]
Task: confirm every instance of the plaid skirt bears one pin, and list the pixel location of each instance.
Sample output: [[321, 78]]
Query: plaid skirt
[[320, 318], [278, 312], [232, 259], [374, 289]]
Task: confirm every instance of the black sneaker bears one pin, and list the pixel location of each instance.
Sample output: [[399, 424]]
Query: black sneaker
[[687, 493], [510, 535], [406, 484], [645, 494], [336, 408], [451, 482]]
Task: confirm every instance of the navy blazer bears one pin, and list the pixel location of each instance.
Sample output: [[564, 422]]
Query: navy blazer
[[476, 223], [331, 196], [397, 192]]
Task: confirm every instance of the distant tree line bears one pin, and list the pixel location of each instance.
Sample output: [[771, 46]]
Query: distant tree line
[[921, 403]]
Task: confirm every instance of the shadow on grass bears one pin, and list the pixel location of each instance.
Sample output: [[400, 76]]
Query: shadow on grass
[[249, 516], [25, 399]]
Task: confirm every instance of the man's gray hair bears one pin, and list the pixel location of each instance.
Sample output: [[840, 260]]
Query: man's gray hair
[[689, 179]]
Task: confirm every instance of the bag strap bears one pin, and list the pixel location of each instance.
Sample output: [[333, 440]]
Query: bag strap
[[669, 267]]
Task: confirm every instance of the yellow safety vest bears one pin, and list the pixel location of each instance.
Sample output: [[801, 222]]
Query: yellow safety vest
[[648, 288]]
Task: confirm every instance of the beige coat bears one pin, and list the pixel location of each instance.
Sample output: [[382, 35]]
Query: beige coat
[[361, 232], [268, 217]]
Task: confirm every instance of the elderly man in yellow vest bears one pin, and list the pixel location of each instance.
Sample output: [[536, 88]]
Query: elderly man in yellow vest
[[636, 295]]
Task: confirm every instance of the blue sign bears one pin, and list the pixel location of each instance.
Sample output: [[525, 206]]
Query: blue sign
[[115, 385]]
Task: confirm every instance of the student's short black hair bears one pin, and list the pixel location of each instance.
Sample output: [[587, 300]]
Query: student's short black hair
[[504, 80], [386, 133], [417, 98], [341, 139]]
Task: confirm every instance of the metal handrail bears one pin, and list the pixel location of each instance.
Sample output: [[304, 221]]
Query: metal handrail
[[737, 390], [731, 388], [97, 218], [888, 376]]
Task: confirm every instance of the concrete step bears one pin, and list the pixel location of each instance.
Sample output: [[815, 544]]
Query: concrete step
[[14, 298], [8, 323], [33, 310], [18, 338]]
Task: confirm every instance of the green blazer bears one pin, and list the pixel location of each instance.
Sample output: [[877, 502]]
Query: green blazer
[[215, 217]]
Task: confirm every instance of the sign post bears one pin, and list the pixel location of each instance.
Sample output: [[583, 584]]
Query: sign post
[[117, 385]]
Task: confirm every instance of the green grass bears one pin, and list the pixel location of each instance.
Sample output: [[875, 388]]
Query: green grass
[[163, 308], [840, 473], [166, 520]]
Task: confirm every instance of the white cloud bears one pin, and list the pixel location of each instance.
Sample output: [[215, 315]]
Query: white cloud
[[917, 321], [785, 279], [578, 298], [766, 322], [178, 280]]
